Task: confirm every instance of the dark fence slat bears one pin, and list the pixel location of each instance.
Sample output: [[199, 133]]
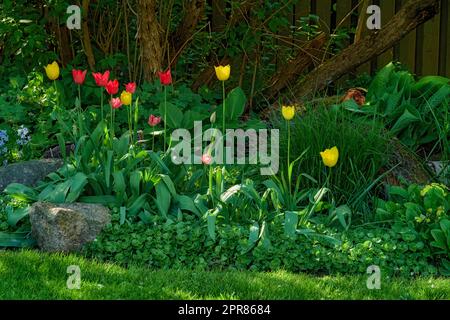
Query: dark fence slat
[[387, 12], [444, 50], [323, 10]]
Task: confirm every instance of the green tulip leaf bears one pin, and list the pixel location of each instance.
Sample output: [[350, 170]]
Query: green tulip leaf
[[174, 115]]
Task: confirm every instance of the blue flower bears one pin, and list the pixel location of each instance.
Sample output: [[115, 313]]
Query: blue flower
[[24, 136], [3, 137]]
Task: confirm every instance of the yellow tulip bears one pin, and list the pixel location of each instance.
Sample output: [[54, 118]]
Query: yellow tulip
[[52, 70], [126, 98], [223, 72], [330, 157], [288, 112]]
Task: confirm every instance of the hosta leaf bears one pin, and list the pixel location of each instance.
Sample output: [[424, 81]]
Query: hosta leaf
[[21, 192], [15, 215], [405, 120]]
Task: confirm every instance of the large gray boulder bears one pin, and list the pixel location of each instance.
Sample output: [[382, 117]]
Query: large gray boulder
[[66, 227], [28, 172]]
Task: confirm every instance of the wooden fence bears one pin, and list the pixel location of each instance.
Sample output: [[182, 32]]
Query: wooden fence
[[424, 51]]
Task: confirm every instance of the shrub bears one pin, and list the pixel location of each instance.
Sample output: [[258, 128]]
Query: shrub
[[416, 112], [363, 146]]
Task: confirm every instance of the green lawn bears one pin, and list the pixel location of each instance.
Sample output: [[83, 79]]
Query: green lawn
[[33, 275]]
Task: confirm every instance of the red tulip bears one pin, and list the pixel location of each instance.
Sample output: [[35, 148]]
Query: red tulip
[[112, 87], [153, 121], [130, 87], [101, 79], [78, 76], [115, 103], [206, 159], [165, 77]]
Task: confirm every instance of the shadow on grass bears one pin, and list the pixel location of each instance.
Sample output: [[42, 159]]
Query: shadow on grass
[[34, 275]]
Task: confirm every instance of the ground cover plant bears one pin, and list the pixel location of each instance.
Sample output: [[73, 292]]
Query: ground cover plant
[[212, 168]]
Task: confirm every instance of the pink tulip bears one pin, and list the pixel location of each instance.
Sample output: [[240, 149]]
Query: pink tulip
[[115, 103], [130, 87], [153, 121], [206, 159]]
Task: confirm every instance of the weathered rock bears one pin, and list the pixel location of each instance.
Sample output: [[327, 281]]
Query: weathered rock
[[66, 227], [28, 172], [408, 166]]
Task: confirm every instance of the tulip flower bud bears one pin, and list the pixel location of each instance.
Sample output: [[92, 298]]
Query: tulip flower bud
[[212, 119]]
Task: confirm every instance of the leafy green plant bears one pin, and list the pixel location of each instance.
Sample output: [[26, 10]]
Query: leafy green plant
[[416, 112], [441, 237], [441, 241], [185, 243], [419, 213], [421, 207]]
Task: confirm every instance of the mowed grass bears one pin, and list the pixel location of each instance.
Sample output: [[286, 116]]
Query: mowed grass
[[33, 275]]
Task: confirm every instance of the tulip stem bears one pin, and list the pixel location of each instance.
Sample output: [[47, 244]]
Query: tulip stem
[[130, 112], [223, 110], [57, 95], [112, 124], [210, 182], [153, 140], [210, 174], [101, 103], [79, 111], [79, 98], [165, 118], [327, 183], [289, 157]]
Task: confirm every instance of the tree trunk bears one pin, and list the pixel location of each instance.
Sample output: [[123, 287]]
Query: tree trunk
[[149, 39], [183, 34], [411, 15], [86, 36], [290, 71], [66, 49]]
